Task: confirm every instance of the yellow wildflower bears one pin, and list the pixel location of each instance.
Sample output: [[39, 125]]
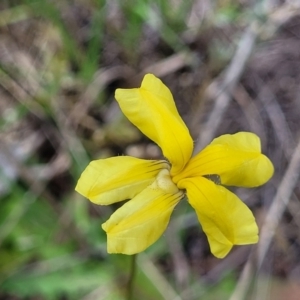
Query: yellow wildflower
[[155, 187]]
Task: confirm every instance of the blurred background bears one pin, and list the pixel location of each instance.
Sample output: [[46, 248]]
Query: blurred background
[[231, 66]]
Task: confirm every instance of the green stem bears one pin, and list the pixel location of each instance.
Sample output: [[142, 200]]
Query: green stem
[[131, 277]]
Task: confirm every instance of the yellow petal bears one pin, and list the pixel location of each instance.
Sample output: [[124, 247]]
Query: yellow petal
[[225, 219], [142, 220], [152, 109], [236, 158], [114, 179]]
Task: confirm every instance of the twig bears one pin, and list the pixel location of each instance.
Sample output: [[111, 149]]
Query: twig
[[251, 111], [281, 200], [278, 119], [171, 64], [244, 281], [272, 219], [159, 281], [222, 92], [181, 266], [279, 204], [101, 79]]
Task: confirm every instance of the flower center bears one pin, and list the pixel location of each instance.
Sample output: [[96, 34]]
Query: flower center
[[164, 182]]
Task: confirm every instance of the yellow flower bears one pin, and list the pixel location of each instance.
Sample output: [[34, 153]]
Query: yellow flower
[[154, 187]]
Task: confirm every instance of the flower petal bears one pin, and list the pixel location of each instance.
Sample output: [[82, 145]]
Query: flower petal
[[115, 179], [140, 221], [225, 219], [152, 109], [236, 158]]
